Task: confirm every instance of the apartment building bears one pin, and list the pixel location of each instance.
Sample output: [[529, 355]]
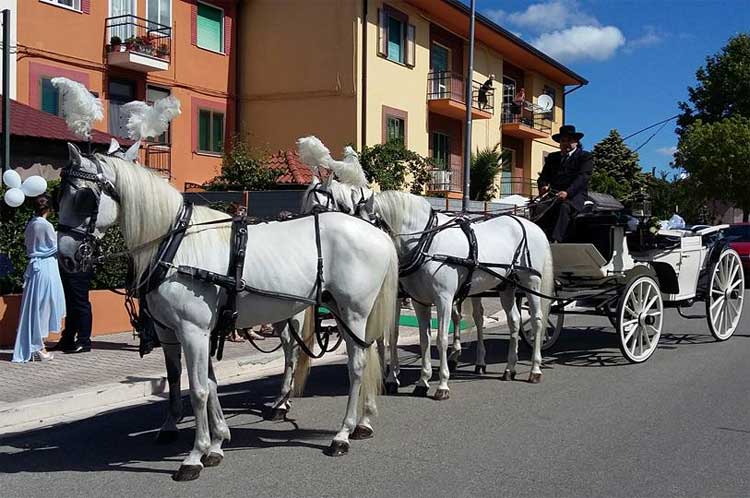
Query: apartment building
[[124, 50], [366, 71]]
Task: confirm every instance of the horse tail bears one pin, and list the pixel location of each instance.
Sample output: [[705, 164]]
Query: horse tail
[[303, 363], [547, 287], [372, 377]]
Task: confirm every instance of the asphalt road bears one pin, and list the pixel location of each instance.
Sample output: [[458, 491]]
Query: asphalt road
[[678, 425]]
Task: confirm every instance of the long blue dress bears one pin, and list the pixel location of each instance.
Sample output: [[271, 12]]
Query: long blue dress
[[43, 301]]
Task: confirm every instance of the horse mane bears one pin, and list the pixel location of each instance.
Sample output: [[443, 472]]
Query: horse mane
[[401, 211], [148, 207]]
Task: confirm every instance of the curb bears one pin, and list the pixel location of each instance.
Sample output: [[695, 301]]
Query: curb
[[84, 403]]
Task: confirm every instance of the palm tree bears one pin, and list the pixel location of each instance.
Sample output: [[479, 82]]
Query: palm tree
[[485, 166]]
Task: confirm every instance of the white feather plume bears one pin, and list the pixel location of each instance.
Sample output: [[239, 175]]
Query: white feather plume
[[147, 121], [349, 170], [80, 109], [313, 153]]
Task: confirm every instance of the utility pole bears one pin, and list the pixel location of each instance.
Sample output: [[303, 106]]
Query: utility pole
[[6, 90], [469, 100]]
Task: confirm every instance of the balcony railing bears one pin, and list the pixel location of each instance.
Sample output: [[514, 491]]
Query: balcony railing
[[131, 35], [445, 180], [446, 85], [516, 185], [527, 114], [158, 157]]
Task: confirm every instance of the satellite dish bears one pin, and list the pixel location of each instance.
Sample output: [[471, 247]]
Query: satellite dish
[[545, 102]]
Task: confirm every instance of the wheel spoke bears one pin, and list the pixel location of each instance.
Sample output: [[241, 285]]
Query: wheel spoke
[[717, 303], [650, 303], [735, 284], [630, 322], [720, 321], [640, 340], [630, 310], [629, 335], [646, 297], [644, 333]]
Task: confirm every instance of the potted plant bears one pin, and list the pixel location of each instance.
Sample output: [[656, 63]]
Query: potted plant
[[130, 43], [162, 50], [115, 44]]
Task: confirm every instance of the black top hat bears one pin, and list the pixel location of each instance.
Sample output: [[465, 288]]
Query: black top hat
[[567, 130]]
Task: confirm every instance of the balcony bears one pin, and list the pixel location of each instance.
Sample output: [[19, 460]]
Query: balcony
[[446, 183], [157, 157], [138, 44], [446, 96], [525, 120], [516, 185]]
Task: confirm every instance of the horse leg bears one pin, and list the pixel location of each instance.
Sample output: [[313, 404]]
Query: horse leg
[[478, 315], [195, 344], [356, 364], [456, 348], [537, 325], [444, 310], [508, 300], [282, 403], [423, 317], [168, 433], [391, 381], [218, 426]]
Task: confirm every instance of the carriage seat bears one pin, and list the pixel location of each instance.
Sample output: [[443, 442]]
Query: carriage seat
[[594, 224]]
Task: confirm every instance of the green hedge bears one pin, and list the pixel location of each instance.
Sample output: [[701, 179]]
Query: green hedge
[[13, 222]]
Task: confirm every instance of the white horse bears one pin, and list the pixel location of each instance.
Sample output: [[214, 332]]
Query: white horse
[[360, 275], [405, 217]]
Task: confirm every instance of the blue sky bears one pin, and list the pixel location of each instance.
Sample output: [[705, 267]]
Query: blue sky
[[639, 57]]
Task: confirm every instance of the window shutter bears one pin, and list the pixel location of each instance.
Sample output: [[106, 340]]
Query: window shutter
[[86, 6], [411, 34], [210, 28], [382, 36], [194, 23]]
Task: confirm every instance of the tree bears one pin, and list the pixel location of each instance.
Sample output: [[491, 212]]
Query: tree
[[243, 168], [616, 170], [485, 165], [723, 88], [394, 167], [717, 158]]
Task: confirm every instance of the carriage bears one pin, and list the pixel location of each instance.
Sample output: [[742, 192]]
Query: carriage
[[614, 268]]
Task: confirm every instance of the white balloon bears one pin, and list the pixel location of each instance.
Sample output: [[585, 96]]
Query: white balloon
[[34, 185], [12, 179], [14, 197]]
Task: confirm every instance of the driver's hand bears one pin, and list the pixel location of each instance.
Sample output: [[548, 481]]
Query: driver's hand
[[562, 195]]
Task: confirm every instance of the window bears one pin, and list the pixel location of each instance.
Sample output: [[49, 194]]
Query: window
[[71, 4], [551, 92], [210, 28], [120, 92], [210, 131], [441, 150], [152, 95], [50, 97], [396, 37], [395, 129], [160, 12]]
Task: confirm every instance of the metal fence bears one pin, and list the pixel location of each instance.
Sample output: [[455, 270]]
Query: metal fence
[[529, 114], [449, 85], [129, 33]]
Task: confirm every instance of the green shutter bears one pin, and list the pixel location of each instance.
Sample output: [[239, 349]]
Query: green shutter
[[210, 27], [217, 134], [50, 97], [395, 40], [204, 130]]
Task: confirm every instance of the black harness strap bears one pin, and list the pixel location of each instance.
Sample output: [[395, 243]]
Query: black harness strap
[[417, 257]]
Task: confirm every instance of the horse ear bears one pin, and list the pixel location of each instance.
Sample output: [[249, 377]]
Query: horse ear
[[114, 146], [132, 153], [370, 204], [328, 180], [74, 155]]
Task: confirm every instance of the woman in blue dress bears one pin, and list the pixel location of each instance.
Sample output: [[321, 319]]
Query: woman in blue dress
[[43, 301]]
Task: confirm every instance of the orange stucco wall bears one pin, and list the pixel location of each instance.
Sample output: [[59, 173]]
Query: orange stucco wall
[[51, 37]]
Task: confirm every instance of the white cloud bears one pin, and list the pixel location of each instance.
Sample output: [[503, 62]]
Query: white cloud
[[549, 16], [649, 38], [581, 43], [495, 15], [666, 151]]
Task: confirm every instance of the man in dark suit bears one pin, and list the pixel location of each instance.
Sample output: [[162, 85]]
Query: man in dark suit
[[567, 174]]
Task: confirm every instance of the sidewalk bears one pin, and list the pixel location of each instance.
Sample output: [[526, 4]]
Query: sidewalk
[[112, 375]]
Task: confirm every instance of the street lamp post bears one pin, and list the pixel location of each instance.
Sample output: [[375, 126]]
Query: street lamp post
[[468, 99]]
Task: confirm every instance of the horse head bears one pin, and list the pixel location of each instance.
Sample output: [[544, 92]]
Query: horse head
[[88, 205]]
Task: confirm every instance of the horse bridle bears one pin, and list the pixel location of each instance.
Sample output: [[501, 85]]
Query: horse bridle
[[86, 251], [320, 188]]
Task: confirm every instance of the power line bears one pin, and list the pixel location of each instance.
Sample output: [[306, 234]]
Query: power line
[[652, 126], [652, 136]]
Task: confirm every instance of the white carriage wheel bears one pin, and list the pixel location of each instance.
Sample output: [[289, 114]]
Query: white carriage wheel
[[551, 332], [640, 316], [726, 290]]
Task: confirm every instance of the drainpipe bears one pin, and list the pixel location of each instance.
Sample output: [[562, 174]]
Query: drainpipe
[[6, 90], [468, 100], [237, 81], [363, 86]]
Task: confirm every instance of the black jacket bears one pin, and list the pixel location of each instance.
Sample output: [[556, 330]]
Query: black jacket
[[573, 177]]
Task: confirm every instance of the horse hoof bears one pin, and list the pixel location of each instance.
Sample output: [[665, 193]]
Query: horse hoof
[[452, 366], [421, 391], [276, 414], [167, 437], [480, 369], [338, 448], [187, 473], [361, 432], [442, 395], [508, 375], [213, 459], [391, 388], [535, 378]]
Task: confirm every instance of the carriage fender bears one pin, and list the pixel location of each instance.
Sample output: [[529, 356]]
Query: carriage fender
[[667, 277]]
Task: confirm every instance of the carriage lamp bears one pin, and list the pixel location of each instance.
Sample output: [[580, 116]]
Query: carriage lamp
[[642, 208]]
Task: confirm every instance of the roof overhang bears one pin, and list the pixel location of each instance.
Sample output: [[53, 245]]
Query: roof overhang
[[454, 16]]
